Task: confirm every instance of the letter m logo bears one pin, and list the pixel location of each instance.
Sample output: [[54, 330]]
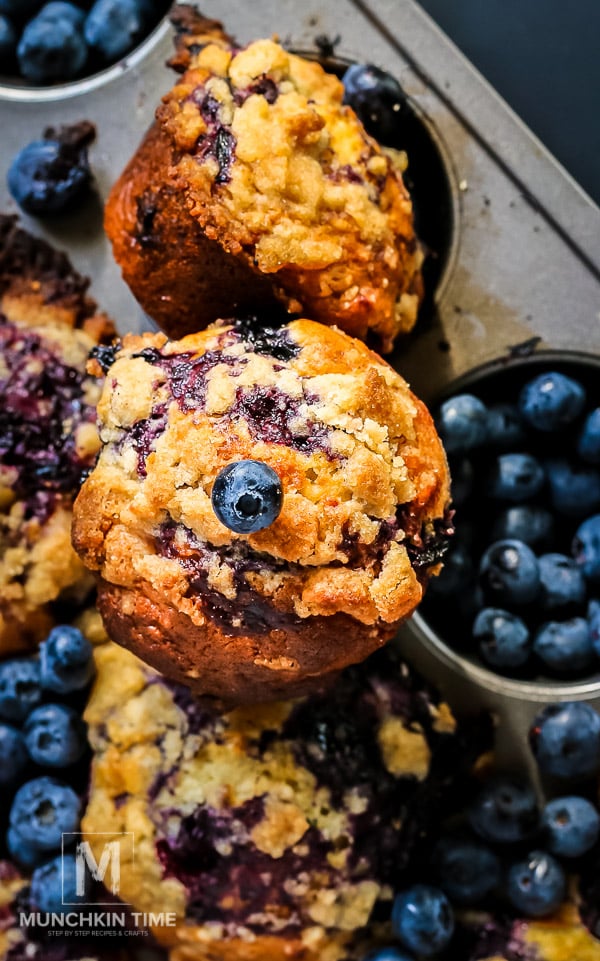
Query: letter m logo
[[101, 863]]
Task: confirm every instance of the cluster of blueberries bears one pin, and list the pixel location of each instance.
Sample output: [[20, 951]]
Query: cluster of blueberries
[[41, 732], [523, 575], [507, 848], [58, 41]]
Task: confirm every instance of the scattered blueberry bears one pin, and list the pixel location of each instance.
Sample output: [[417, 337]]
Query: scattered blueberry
[[55, 736], [423, 920], [562, 582], [46, 177], [593, 618], [565, 646], [516, 477], [468, 871], [571, 826], [20, 851], [509, 574], [574, 490], [537, 885], [505, 426], [52, 46], [8, 39], [588, 445], [247, 496], [565, 740], [462, 423], [66, 660], [551, 401], [456, 574], [42, 811], [586, 548], [503, 638], [13, 754], [388, 954], [54, 886], [377, 98], [113, 27], [20, 688], [525, 522], [505, 812]]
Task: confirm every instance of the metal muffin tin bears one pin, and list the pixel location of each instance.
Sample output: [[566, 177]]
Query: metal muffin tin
[[522, 259]]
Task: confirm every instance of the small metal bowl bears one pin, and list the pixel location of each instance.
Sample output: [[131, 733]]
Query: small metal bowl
[[468, 685]]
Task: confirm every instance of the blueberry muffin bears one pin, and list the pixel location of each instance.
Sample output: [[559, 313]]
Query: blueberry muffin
[[275, 831], [362, 500], [559, 938], [256, 183], [48, 437]]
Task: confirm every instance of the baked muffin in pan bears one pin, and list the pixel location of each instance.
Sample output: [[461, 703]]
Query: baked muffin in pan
[[257, 184]]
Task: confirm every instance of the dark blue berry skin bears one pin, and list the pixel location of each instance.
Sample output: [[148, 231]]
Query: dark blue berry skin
[[55, 736], [565, 646], [377, 98], [586, 548], [42, 811], [503, 638], [462, 423], [525, 522], [505, 427], [467, 870], [461, 471], [565, 740], [54, 886], [551, 401], [456, 574], [388, 954], [13, 755], [505, 812], [21, 852], [509, 574], [588, 444], [562, 582], [423, 920], [574, 490], [537, 885], [20, 688], [593, 617], [516, 477], [44, 180], [8, 40], [52, 47], [113, 27], [571, 826], [247, 496], [66, 660]]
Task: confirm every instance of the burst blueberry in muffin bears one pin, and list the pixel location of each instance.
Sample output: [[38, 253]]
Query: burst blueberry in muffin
[[274, 831], [48, 437], [363, 519], [562, 937], [256, 184]]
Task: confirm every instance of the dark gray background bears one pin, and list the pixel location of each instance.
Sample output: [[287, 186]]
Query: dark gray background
[[543, 57]]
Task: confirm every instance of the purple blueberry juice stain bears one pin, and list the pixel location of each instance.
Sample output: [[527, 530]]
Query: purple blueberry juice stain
[[267, 335], [42, 401], [265, 86], [426, 544], [218, 142], [142, 435], [269, 413]]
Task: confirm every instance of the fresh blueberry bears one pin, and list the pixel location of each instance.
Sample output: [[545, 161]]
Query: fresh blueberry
[[586, 548], [505, 812], [388, 954], [54, 886], [247, 496], [551, 401], [52, 47], [113, 27], [503, 638], [562, 582], [46, 177], [20, 688], [505, 426], [456, 574], [565, 646], [42, 811], [516, 477], [462, 423], [574, 491], [468, 871], [593, 617], [377, 98], [66, 660], [525, 522], [588, 445], [537, 885], [509, 573], [13, 754], [461, 471], [565, 740], [55, 736], [423, 920], [8, 39], [22, 852], [571, 825]]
